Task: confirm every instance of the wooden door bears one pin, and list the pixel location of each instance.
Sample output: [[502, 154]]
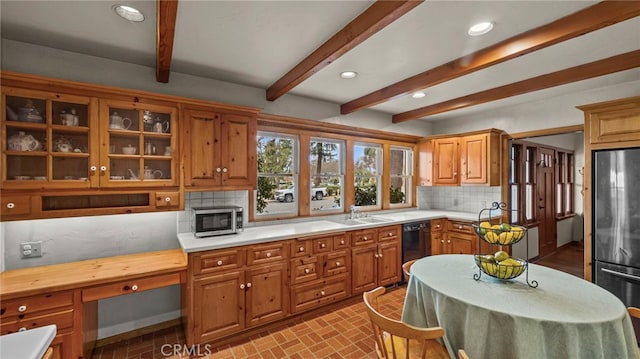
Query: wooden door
[[446, 153], [239, 150], [389, 265], [266, 294], [364, 268], [545, 203], [460, 243], [473, 159], [218, 306], [202, 148]]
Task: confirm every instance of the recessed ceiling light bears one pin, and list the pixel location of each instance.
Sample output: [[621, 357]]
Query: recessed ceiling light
[[418, 95], [129, 13], [348, 74], [480, 28]]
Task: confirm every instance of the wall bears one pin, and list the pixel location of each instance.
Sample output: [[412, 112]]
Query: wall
[[461, 198]]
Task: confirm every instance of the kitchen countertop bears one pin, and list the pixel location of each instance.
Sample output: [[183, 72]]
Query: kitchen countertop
[[28, 344], [262, 234]]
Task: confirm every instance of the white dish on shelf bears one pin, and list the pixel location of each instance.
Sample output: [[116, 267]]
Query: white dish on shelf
[[22, 178]]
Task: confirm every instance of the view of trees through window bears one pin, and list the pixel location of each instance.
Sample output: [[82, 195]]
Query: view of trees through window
[[367, 164], [326, 174], [277, 174], [401, 172]]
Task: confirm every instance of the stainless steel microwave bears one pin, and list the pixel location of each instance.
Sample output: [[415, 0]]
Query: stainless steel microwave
[[216, 221]]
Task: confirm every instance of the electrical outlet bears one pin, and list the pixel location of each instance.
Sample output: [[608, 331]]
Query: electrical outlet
[[31, 249]]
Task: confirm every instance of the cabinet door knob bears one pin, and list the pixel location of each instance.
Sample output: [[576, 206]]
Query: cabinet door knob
[[322, 293], [380, 255], [342, 241], [376, 255], [225, 170], [442, 241], [337, 264], [219, 263], [167, 199], [93, 168], [11, 205], [390, 234], [322, 245], [268, 254], [134, 287], [103, 168], [364, 238], [22, 329], [22, 308], [448, 241], [218, 169], [301, 249], [242, 286], [307, 270], [249, 285]]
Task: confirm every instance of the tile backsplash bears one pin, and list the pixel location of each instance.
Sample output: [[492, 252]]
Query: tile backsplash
[[209, 199], [465, 199]]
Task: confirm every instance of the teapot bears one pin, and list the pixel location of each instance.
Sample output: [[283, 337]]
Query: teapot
[[23, 142], [118, 122], [150, 173], [160, 126]]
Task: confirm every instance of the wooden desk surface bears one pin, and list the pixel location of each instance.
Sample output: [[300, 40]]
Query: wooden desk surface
[[37, 280]]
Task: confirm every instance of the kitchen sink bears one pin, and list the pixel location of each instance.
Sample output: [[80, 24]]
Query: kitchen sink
[[362, 221]]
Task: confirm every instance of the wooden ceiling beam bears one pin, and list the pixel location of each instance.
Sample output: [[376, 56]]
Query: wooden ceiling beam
[[166, 12], [597, 68], [373, 19], [579, 23]]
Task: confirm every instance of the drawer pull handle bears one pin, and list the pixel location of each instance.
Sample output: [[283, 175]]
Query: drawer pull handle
[[22, 329], [268, 254], [22, 308], [307, 270], [242, 286], [134, 287], [460, 227], [11, 205], [337, 264], [219, 263], [167, 199], [322, 293], [248, 285], [390, 234], [301, 249], [364, 238], [342, 241], [322, 245]]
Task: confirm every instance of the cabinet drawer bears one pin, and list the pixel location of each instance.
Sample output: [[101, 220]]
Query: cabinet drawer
[[438, 225], [340, 241], [265, 253], [323, 245], [363, 237], [35, 303], [301, 247], [461, 227], [389, 233], [335, 263], [62, 320], [304, 270], [315, 294], [167, 199], [129, 286], [217, 261], [15, 205]]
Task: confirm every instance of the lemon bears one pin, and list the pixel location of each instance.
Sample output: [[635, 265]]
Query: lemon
[[491, 237], [501, 256], [483, 227]]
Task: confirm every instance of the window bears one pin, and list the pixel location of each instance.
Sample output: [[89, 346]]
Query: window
[[400, 175], [564, 183], [522, 183], [326, 174], [367, 164], [277, 175]]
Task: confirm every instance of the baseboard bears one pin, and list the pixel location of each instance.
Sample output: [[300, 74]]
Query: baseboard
[[138, 332]]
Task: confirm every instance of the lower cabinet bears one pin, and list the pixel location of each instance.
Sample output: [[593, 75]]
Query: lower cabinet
[[375, 258], [456, 237]]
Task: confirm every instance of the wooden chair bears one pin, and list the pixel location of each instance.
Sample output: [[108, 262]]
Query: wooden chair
[[406, 269], [634, 312], [462, 354], [395, 339]]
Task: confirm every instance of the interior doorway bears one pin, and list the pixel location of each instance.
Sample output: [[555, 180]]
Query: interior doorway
[[544, 202]]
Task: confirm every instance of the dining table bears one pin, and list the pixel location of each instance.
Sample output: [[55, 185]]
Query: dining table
[[563, 317]]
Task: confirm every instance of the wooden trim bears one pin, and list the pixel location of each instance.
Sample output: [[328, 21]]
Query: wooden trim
[[590, 70], [547, 132], [287, 124], [166, 11], [375, 18], [579, 23], [138, 332]]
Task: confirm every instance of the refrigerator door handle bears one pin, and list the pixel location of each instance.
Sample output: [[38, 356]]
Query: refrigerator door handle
[[623, 275]]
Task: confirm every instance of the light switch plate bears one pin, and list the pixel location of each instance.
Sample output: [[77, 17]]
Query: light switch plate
[[31, 249]]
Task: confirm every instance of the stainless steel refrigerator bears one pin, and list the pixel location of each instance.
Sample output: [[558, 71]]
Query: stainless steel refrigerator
[[616, 223]]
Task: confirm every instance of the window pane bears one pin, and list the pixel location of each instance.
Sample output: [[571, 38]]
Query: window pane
[[401, 172], [559, 197], [529, 201], [326, 170], [514, 204], [366, 163], [277, 175]]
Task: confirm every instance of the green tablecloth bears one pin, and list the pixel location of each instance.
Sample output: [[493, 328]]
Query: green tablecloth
[[564, 317]]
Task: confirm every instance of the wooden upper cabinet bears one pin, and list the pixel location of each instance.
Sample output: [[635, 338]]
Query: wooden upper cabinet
[[445, 161], [614, 121], [461, 160], [220, 149]]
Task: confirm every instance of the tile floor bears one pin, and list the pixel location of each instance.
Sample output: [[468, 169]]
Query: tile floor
[[344, 332]]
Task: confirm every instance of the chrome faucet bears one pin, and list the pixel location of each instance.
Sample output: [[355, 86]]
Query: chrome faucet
[[354, 212]]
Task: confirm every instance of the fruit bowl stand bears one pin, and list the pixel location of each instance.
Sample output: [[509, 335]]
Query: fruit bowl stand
[[500, 235]]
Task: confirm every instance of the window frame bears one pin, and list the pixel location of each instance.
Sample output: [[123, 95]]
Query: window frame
[[407, 176], [341, 174]]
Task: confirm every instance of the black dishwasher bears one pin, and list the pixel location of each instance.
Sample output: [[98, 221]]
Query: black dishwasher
[[416, 240]]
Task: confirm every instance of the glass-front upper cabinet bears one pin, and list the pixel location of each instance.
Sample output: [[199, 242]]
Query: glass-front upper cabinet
[[47, 139], [139, 144]]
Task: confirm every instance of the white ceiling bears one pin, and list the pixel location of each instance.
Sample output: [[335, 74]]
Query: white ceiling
[[256, 42]]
